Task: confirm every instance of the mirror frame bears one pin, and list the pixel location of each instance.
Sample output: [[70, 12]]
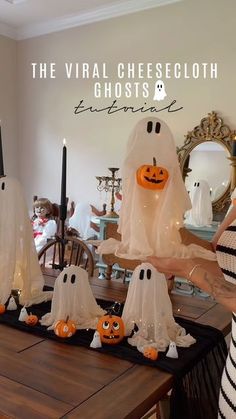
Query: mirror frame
[[210, 129]]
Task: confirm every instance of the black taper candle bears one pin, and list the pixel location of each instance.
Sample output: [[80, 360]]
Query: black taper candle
[[63, 206], [234, 146], [1, 154]]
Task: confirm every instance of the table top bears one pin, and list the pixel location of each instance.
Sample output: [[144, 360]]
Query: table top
[[212, 227], [108, 387]]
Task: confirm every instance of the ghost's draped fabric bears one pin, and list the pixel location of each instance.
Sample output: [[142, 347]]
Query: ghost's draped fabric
[[150, 219], [73, 298], [81, 220], [19, 267], [200, 214], [148, 312]]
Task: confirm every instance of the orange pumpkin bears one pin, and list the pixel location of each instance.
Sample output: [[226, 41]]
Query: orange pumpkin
[[151, 353], [111, 329], [31, 320], [2, 308], [65, 329], [152, 177]]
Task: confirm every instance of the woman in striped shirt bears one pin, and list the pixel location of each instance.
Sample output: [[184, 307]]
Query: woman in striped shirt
[[219, 280]]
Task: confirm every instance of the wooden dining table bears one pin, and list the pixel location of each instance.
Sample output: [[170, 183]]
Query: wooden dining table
[[42, 378]]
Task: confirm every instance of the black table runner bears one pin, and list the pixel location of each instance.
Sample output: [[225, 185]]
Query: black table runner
[[197, 372]]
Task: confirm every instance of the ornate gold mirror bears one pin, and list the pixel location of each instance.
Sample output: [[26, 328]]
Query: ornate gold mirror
[[206, 154]]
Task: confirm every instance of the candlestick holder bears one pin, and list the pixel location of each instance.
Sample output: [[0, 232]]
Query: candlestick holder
[[110, 184]]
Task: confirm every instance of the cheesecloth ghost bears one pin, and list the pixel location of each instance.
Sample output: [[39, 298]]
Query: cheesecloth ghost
[[150, 219], [200, 214], [148, 307], [73, 298], [19, 267]]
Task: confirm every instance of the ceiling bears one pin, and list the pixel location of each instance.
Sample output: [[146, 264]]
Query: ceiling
[[21, 19]]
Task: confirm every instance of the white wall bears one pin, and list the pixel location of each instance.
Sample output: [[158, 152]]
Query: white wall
[[188, 31], [8, 104]]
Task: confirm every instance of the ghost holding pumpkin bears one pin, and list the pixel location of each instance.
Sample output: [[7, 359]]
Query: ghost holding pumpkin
[[154, 198]]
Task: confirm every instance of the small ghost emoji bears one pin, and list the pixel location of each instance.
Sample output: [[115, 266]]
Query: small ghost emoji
[[23, 315], [96, 342], [12, 304], [172, 351], [160, 92]]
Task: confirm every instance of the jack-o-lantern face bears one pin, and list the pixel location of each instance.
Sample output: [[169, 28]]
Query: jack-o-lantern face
[[151, 353], [152, 176], [111, 329], [31, 320]]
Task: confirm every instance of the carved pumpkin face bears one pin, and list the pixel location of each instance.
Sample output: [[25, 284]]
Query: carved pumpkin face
[[151, 353], [152, 176], [65, 329], [31, 320], [111, 329]]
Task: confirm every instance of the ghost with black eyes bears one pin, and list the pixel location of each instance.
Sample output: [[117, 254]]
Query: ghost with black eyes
[[200, 214], [73, 298], [148, 312], [154, 197], [160, 92], [19, 267]]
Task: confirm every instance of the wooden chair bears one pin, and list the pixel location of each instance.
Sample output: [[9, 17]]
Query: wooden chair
[[76, 253], [97, 212]]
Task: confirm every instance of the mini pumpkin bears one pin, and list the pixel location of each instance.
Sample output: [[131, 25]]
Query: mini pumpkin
[[2, 308], [151, 353], [31, 320], [111, 329], [152, 176], [65, 329]]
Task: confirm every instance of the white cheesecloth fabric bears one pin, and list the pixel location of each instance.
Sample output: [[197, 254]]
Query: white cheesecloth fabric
[[81, 219], [150, 219], [73, 298], [148, 306], [18, 258], [200, 214]]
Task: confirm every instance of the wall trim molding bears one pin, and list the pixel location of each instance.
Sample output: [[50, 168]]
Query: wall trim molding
[[95, 15], [8, 31]]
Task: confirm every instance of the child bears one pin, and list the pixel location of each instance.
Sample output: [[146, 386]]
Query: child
[[44, 227]]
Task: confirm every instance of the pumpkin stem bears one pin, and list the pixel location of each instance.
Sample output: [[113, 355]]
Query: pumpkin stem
[[154, 161], [67, 318]]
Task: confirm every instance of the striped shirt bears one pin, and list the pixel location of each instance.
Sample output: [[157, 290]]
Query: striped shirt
[[226, 256]]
